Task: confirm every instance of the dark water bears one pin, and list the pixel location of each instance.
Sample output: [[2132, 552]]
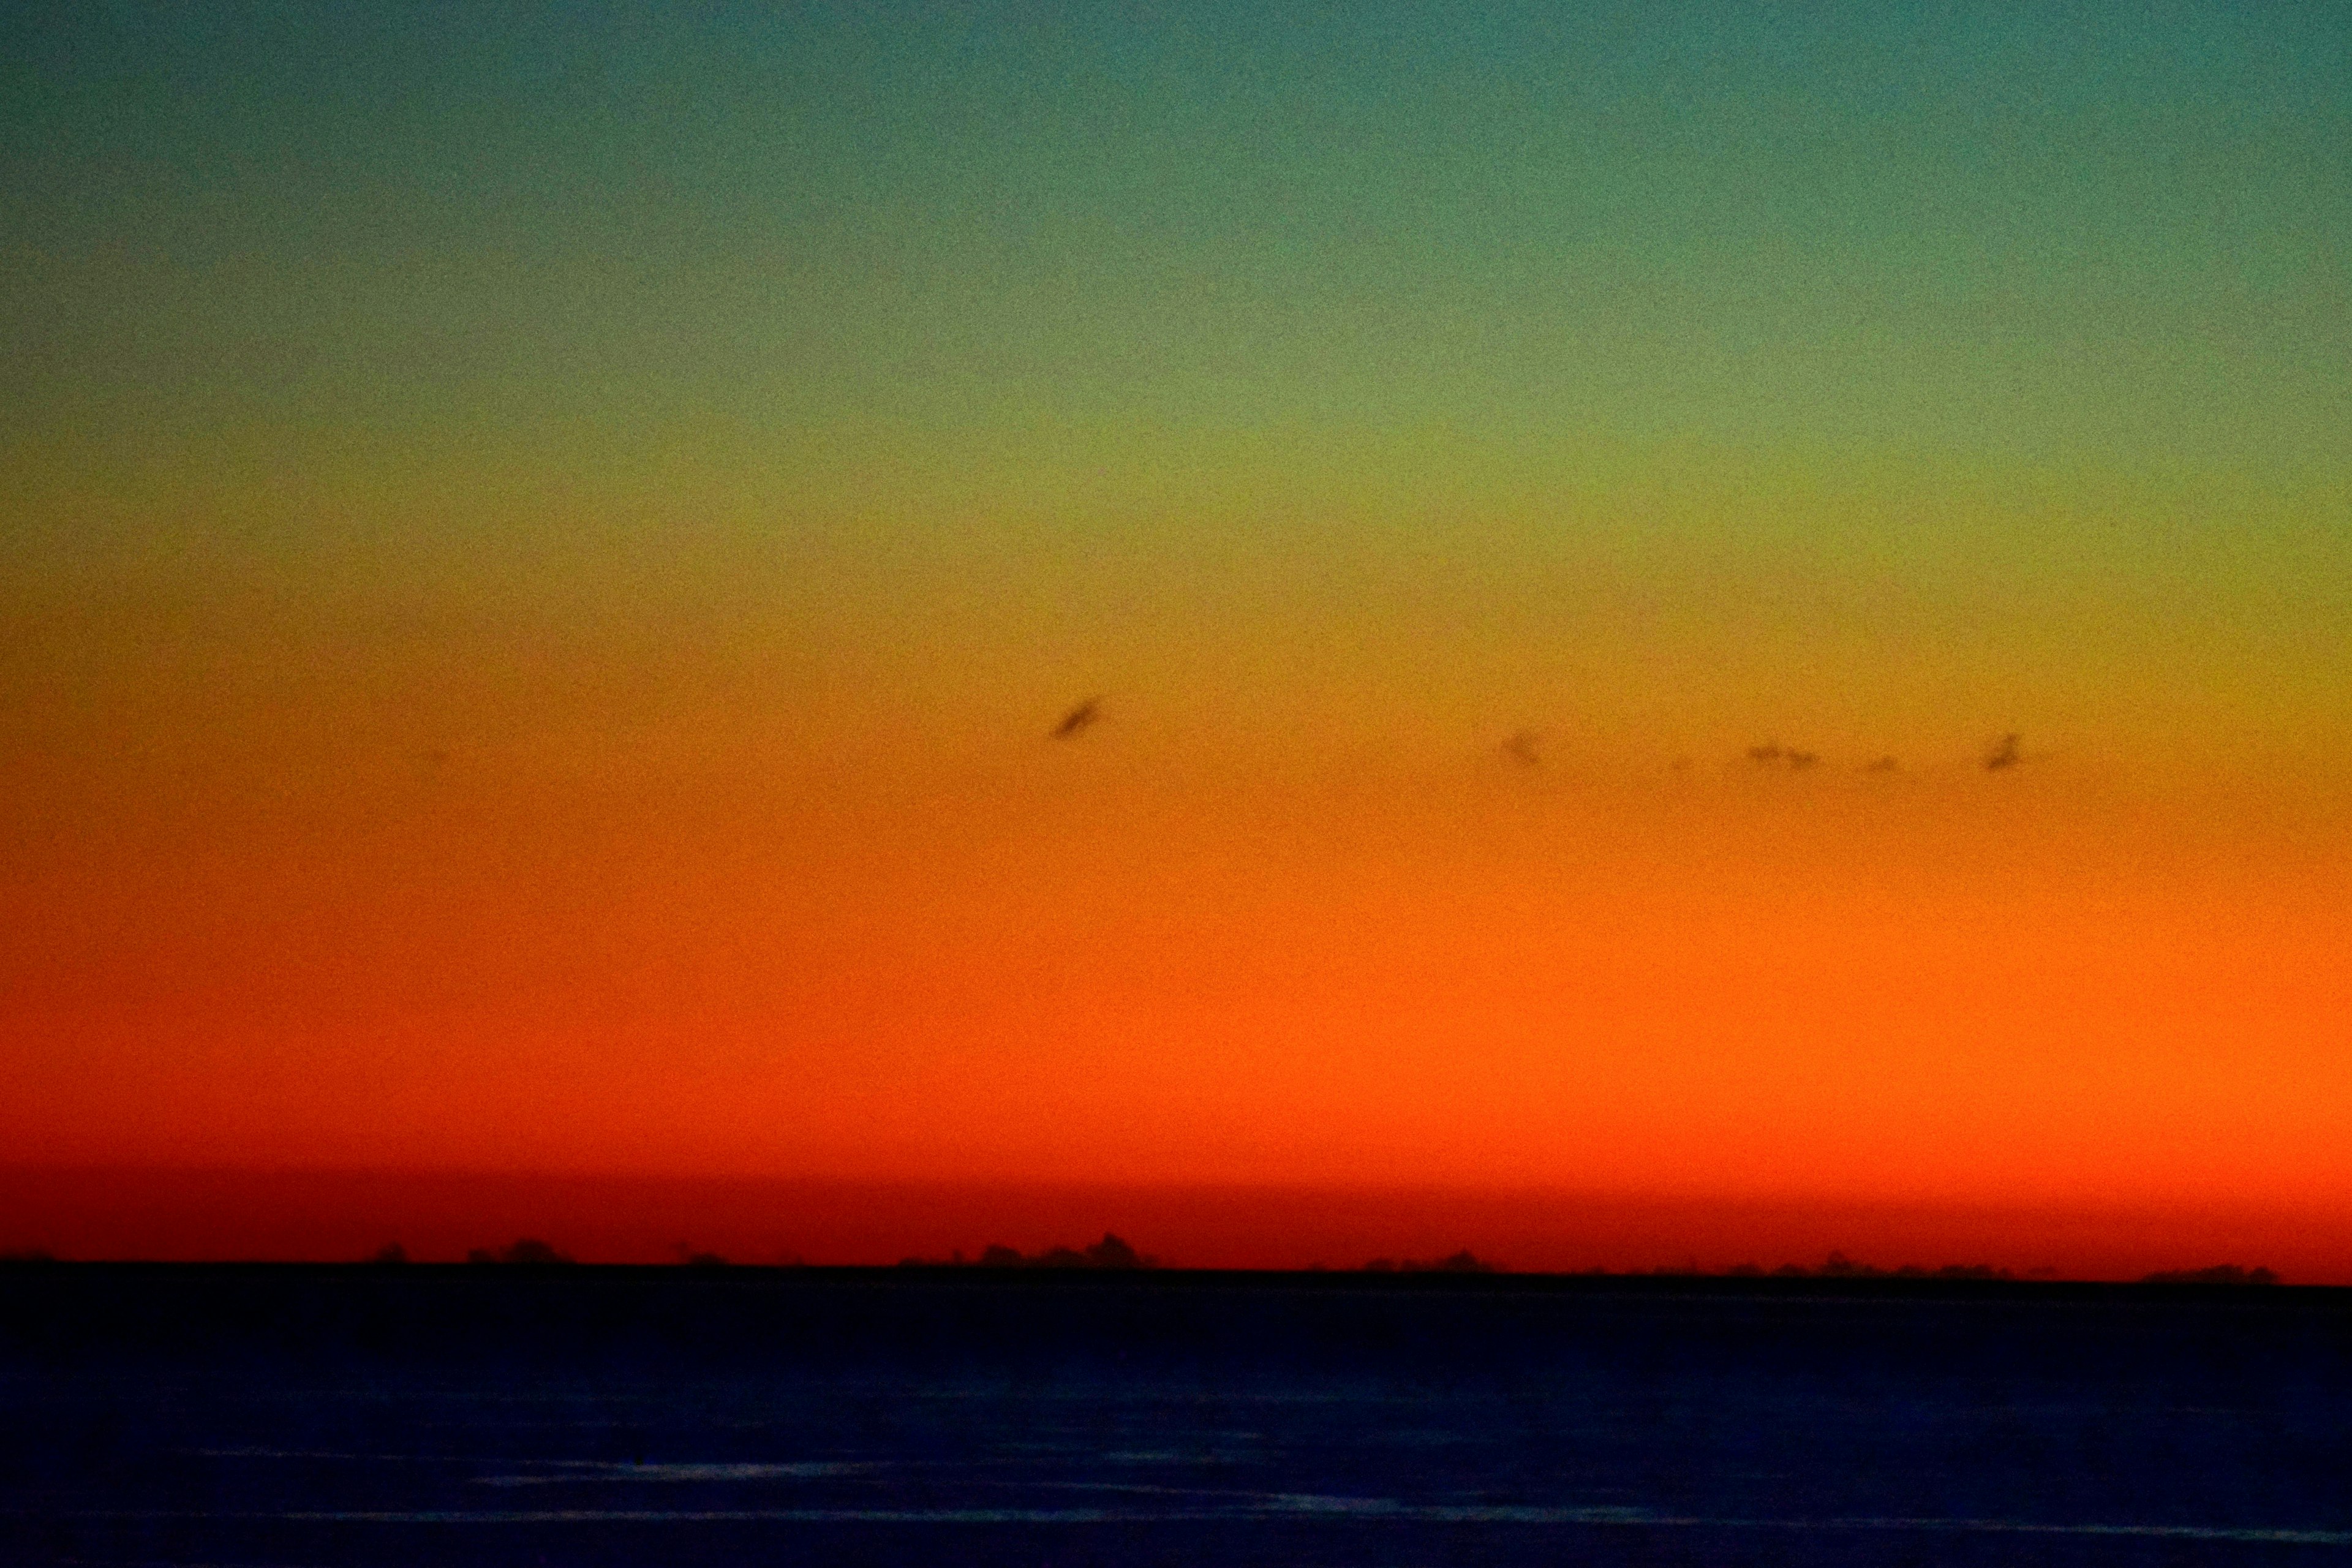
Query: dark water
[[501, 1415]]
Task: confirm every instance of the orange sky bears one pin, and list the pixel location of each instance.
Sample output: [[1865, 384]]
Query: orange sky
[[1118, 958]]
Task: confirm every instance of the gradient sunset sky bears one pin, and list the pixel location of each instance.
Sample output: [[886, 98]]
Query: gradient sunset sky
[[544, 548]]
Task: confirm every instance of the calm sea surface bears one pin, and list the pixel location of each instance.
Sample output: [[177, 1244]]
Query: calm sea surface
[[293, 1415]]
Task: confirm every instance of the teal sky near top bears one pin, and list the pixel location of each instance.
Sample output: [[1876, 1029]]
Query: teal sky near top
[[2014, 339], [1996, 236]]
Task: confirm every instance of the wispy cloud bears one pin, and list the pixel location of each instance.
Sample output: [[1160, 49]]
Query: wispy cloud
[[1771, 752]]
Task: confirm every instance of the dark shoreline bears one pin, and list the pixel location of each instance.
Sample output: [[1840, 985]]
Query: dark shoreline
[[1878, 1283], [813, 1316]]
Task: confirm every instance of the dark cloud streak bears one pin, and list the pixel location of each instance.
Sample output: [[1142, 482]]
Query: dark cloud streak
[[1078, 719]]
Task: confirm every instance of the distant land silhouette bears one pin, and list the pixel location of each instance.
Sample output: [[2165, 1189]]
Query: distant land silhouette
[[194, 1215], [1111, 1252], [1114, 1252], [2219, 1274], [1461, 1262], [528, 1252]]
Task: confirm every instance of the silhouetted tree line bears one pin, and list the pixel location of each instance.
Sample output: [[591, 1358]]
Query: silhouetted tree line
[[1838, 1265], [2219, 1274], [528, 1252], [1461, 1262], [1111, 1252]]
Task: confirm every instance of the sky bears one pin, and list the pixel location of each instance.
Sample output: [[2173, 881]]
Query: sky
[[547, 548]]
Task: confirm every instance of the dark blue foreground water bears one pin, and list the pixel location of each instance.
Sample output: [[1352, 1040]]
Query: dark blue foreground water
[[292, 1415]]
